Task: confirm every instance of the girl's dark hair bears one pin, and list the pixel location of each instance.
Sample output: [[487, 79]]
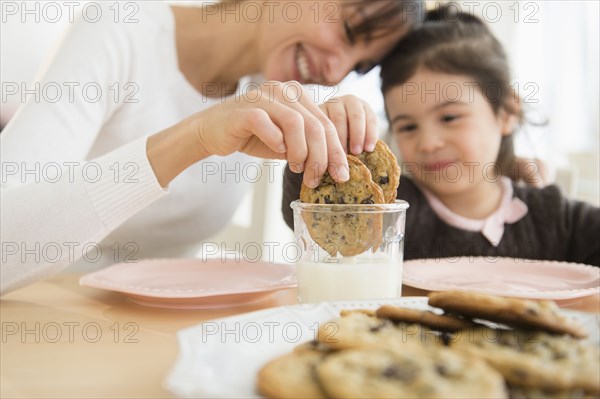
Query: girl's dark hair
[[454, 42]]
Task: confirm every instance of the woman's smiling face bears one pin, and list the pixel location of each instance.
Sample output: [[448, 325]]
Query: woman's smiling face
[[313, 41]]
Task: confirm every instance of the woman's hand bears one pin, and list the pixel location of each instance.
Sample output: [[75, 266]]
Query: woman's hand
[[276, 121], [280, 121], [355, 122]]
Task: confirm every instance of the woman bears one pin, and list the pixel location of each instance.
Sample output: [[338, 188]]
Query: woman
[[159, 92]]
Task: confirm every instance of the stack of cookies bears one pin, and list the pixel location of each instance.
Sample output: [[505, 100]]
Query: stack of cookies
[[374, 179], [473, 346]]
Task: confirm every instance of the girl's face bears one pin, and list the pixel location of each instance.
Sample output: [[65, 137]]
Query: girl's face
[[312, 41], [446, 131]]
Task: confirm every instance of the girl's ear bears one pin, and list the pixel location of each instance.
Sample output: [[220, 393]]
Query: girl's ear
[[510, 115]]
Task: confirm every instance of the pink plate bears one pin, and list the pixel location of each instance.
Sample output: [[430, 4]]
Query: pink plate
[[193, 283], [523, 278]]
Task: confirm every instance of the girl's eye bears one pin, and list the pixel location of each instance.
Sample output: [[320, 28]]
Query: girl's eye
[[407, 128], [449, 118]]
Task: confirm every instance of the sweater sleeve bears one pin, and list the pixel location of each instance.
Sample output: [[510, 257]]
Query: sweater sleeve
[[54, 200], [582, 222]]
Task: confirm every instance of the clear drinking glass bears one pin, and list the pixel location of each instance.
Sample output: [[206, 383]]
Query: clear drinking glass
[[349, 252]]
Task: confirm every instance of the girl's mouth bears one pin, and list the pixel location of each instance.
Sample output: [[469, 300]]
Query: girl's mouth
[[435, 166]]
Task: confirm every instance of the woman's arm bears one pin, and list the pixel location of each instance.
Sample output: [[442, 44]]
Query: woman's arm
[[53, 200]]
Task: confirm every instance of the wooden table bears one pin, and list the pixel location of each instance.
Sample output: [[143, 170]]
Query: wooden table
[[63, 340]]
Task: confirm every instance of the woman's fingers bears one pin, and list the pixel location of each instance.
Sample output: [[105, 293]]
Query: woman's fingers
[[292, 95], [336, 111], [357, 120], [372, 128], [257, 121], [293, 126], [324, 151], [319, 126]]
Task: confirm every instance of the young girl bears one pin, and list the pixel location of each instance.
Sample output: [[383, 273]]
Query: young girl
[[452, 114]]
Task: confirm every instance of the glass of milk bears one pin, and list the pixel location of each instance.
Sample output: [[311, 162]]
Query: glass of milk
[[337, 262]]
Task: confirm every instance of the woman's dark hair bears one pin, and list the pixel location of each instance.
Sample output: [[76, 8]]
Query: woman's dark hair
[[457, 43], [381, 18], [378, 18]]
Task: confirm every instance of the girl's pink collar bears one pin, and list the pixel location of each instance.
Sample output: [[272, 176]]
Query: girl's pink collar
[[510, 211]]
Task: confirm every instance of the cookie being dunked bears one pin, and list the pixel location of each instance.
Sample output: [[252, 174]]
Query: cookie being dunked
[[384, 169], [348, 233], [359, 189]]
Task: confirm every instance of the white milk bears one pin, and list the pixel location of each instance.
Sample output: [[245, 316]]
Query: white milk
[[351, 280]]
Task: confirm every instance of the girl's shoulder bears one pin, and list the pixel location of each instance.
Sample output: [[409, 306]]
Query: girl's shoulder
[[535, 194], [549, 202]]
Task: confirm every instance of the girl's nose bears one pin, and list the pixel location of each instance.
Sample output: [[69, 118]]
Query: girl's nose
[[430, 141]]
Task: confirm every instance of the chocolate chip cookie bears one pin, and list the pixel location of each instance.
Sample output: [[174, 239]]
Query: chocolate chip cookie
[[410, 372], [342, 229], [518, 392], [357, 330], [438, 322], [313, 346], [543, 315], [535, 359], [384, 169], [291, 376]]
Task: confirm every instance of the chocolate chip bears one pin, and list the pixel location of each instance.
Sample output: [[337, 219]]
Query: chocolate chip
[[384, 180], [441, 370], [390, 372], [367, 201], [532, 311], [520, 374], [313, 372], [378, 327], [341, 200], [355, 200], [446, 338], [559, 355], [405, 374], [327, 200]]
